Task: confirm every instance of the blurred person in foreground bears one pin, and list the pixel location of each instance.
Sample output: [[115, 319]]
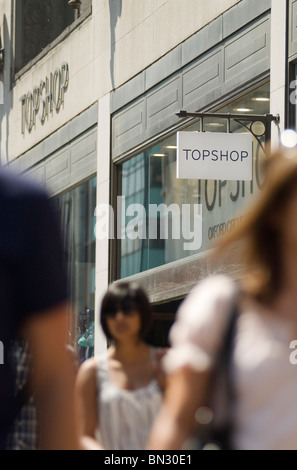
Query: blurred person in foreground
[[23, 434], [119, 393], [264, 412], [34, 306]]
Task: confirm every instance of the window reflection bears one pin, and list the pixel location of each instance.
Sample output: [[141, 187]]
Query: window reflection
[[76, 209]]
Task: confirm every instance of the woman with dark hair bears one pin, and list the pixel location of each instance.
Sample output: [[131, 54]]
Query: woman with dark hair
[[119, 394], [263, 308]]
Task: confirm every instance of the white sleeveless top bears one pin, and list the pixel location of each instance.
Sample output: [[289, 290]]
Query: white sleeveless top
[[125, 416]]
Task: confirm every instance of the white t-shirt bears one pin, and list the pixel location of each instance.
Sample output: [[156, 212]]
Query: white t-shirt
[[265, 381]]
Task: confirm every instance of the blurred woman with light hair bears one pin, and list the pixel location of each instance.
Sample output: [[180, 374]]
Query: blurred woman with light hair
[[261, 313]]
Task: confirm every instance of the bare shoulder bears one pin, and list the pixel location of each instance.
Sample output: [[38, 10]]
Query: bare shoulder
[[86, 395], [88, 370]]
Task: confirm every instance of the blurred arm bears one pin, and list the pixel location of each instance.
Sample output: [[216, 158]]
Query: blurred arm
[[185, 393], [196, 339], [52, 378], [86, 408]]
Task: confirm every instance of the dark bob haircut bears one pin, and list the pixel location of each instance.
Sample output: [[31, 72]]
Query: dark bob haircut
[[121, 294]]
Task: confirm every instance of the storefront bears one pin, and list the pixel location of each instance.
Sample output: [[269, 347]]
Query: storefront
[[230, 76], [66, 164], [49, 131], [91, 113]]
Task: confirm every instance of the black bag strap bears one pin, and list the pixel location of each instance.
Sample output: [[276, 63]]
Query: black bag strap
[[226, 353], [209, 434]]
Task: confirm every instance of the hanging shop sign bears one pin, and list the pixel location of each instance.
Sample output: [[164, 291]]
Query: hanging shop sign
[[45, 98], [214, 156]]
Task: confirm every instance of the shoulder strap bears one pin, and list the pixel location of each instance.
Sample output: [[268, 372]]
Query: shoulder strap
[[154, 356], [157, 354], [222, 383], [102, 370], [222, 391], [226, 353]]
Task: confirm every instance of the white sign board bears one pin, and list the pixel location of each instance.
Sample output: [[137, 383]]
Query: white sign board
[[214, 156]]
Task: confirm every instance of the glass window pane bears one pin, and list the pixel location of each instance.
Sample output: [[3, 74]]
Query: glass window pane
[[77, 212]]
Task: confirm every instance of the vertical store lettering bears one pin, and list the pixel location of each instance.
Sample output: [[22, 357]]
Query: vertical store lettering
[[44, 98]]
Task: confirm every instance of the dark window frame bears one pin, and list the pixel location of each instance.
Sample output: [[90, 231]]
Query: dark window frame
[[291, 114]]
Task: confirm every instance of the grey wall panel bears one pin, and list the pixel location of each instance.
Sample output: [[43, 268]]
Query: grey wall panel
[[242, 14], [74, 164], [83, 157], [162, 104], [66, 167], [128, 92], [202, 82], [84, 121], [66, 157], [38, 175], [129, 126], [247, 55], [29, 159], [163, 68], [238, 17], [58, 139], [57, 165], [292, 28], [232, 63], [57, 172], [202, 41], [82, 171], [83, 148]]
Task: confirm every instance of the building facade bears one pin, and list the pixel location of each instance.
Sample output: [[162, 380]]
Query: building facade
[[89, 103]]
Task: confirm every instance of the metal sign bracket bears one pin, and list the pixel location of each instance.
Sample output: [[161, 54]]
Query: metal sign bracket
[[259, 125]]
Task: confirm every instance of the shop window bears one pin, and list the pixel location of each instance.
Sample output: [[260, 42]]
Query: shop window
[[191, 214], [38, 23], [76, 209]]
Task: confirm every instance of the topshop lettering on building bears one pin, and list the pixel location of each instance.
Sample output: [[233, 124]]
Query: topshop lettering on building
[[44, 98]]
